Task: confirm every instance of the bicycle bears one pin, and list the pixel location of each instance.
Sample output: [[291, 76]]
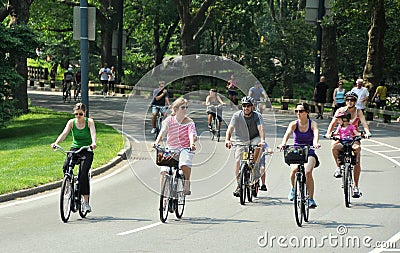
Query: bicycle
[[248, 185], [347, 160], [67, 92], [215, 127], [172, 195], [77, 92], [259, 105], [71, 198], [298, 154], [159, 119]]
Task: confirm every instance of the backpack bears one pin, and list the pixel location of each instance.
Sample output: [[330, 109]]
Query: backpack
[[68, 77]]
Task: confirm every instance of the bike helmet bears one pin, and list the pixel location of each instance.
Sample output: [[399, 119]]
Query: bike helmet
[[351, 94], [344, 114], [247, 100]]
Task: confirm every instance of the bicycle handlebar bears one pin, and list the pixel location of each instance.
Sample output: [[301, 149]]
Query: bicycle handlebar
[[57, 147]]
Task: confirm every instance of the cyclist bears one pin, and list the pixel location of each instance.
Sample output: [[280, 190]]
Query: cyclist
[[248, 128], [357, 117], [83, 134], [181, 136], [305, 131], [77, 81], [67, 81], [256, 92], [214, 103], [232, 87], [160, 97], [347, 131]]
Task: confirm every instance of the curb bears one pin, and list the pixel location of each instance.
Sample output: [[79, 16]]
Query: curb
[[122, 155]]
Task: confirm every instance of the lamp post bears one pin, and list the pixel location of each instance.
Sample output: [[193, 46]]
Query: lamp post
[[321, 13], [84, 53]]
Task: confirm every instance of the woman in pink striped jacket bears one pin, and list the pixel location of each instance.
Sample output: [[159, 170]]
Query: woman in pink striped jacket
[[181, 136]]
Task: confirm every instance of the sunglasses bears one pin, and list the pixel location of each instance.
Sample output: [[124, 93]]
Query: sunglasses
[[183, 107], [80, 114], [299, 111], [351, 99], [246, 105]]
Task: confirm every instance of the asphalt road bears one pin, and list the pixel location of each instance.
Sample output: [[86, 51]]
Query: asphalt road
[[125, 199]]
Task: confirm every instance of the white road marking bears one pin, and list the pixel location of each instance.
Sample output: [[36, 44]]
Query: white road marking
[[140, 229], [395, 149], [393, 239]]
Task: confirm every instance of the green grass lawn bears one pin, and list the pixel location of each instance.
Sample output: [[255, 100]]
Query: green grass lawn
[[26, 158]]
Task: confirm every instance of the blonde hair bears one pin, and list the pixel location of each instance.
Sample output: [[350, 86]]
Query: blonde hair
[[80, 106], [177, 103]]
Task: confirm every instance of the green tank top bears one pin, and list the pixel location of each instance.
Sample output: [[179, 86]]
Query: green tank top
[[81, 137]]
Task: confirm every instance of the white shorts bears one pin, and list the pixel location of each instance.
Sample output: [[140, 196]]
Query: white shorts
[[185, 158]]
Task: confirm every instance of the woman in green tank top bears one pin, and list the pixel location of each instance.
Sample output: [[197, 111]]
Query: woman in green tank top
[[83, 134]]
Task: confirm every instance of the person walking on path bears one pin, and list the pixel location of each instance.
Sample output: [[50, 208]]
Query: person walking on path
[[320, 93]]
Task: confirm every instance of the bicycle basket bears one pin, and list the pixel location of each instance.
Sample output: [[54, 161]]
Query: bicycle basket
[[164, 158], [296, 155]]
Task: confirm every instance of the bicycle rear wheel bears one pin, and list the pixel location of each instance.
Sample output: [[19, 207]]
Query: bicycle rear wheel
[[297, 201], [180, 196], [306, 203], [164, 198], [242, 184], [81, 200], [66, 198], [255, 187], [346, 184]]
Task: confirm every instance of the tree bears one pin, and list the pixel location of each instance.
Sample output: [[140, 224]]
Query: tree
[[18, 12], [374, 66], [193, 25]]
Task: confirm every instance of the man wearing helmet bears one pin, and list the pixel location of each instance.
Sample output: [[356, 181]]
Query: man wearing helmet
[[356, 116], [246, 127]]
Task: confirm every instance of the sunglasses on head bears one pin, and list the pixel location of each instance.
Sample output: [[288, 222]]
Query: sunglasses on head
[[299, 111], [78, 113]]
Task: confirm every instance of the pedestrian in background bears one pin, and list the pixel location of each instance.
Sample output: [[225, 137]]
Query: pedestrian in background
[[320, 93]]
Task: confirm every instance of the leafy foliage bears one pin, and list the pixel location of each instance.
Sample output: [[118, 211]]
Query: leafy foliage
[[12, 45]]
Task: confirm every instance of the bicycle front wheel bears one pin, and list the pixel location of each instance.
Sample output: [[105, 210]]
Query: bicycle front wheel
[[249, 186], [180, 196], [347, 184], [66, 198], [297, 201], [242, 184], [165, 196]]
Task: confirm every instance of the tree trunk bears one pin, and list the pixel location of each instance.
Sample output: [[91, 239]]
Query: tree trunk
[[192, 26], [374, 66], [19, 15], [329, 58], [108, 22]]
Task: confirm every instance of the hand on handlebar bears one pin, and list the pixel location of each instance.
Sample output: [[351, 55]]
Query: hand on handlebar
[[228, 144]]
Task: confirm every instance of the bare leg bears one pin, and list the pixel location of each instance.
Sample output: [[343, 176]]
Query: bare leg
[[357, 167], [309, 167]]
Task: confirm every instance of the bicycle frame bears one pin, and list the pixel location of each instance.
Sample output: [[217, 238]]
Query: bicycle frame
[[172, 196], [246, 175], [301, 198], [70, 191], [347, 161]]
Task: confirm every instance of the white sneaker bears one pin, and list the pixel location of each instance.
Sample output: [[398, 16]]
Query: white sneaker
[[153, 131], [86, 207], [338, 173]]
